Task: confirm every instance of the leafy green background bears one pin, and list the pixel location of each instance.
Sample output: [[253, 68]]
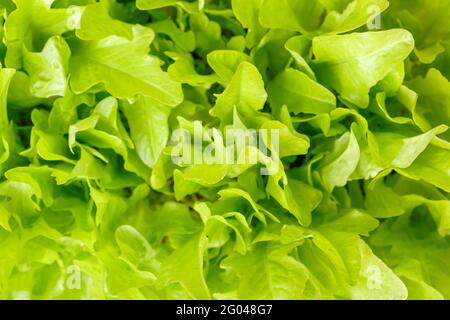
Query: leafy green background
[[90, 92]]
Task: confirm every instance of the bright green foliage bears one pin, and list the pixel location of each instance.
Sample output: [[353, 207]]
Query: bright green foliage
[[94, 206]]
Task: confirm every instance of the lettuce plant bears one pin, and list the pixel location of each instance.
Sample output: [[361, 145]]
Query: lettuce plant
[[355, 203]]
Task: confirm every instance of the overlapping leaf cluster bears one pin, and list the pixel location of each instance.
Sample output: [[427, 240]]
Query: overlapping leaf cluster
[[91, 91]]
